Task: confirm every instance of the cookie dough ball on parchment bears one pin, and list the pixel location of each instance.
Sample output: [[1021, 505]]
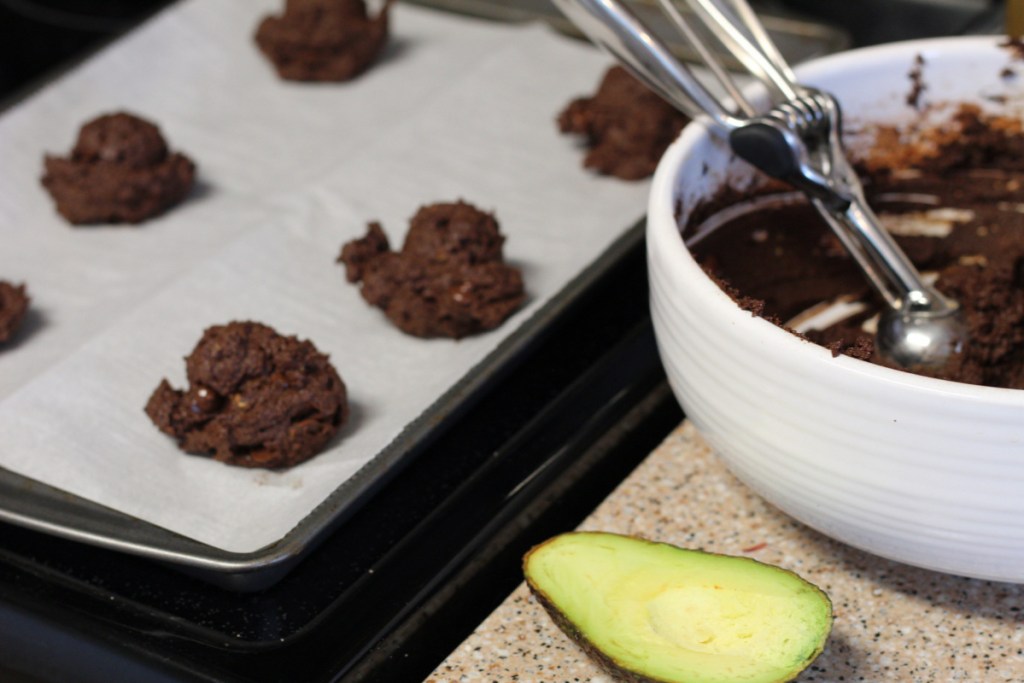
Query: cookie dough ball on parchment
[[119, 171], [255, 398], [449, 279], [323, 40], [625, 126]]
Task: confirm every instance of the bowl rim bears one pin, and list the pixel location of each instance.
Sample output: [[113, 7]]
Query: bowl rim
[[665, 239]]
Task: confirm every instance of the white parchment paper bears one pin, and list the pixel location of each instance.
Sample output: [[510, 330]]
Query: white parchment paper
[[288, 172]]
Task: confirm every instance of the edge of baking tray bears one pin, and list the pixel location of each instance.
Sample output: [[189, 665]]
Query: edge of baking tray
[[31, 504]]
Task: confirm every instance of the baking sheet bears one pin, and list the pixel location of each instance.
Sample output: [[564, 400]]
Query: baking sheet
[[288, 172]]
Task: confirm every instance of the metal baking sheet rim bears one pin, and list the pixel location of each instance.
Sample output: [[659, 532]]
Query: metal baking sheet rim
[[31, 504]]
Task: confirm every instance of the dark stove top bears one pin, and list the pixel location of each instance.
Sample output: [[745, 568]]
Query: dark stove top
[[38, 36]]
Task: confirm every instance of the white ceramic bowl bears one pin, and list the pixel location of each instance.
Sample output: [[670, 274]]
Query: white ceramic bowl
[[923, 471]]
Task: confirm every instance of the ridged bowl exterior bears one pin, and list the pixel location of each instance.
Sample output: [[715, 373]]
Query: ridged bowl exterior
[[922, 471]]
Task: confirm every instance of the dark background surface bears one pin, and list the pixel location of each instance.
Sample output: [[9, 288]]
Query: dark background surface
[[403, 582], [38, 35]]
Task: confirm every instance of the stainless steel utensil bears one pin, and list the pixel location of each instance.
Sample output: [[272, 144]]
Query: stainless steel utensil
[[797, 138]]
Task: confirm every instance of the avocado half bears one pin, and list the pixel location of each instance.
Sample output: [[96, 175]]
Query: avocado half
[[653, 612]]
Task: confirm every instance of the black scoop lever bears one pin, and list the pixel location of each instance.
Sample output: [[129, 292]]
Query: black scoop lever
[[781, 153]]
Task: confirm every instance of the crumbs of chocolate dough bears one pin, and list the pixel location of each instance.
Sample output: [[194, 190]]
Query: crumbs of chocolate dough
[[992, 300], [255, 398], [14, 303], [119, 171], [971, 139], [627, 128], [323, 40], [855, 344], [752, 305], [448, 280], [917, 86]]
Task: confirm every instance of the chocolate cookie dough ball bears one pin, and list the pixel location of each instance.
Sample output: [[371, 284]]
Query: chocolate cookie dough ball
[[119, 171], [626, 127], [255, 398], [13, 305], [453, 232], [449, 279], [323, 40]]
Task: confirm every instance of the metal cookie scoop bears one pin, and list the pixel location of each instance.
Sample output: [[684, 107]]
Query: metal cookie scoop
[[796, 139]]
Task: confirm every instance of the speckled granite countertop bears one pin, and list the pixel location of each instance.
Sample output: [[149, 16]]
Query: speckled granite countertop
[[892, 622]]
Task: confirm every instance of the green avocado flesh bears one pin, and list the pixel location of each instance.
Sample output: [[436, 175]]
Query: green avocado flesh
[[652, 611]]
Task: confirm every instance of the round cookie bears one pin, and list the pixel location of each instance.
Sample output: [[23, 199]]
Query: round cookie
[[119, 171], [449, 279], [323, 40], [627, 127], [255, 398]]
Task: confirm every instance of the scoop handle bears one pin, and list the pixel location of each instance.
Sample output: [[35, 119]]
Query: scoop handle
[[884, 263], [617, 30]]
